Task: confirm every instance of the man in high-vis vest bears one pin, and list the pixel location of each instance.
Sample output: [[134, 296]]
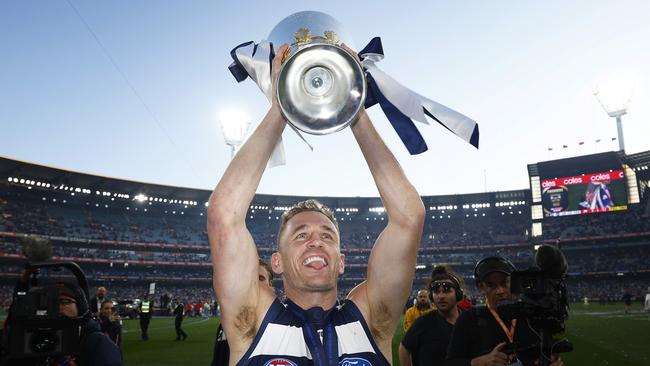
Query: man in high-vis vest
[[146, 308]]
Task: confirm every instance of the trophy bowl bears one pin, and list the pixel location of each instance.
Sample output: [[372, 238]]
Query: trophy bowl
[[321, 86]]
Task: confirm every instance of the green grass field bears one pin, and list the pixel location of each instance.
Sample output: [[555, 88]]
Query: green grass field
[[601, 335]]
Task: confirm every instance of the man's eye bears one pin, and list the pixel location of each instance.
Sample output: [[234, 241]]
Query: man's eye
[[327, 236], [301, 236], [262, 279]]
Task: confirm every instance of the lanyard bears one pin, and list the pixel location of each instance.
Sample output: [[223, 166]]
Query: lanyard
[[509, 333], [327, 352]]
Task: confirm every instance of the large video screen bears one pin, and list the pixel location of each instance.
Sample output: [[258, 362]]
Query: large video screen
[[584, 193]]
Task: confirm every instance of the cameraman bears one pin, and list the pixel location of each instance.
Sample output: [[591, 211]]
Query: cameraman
[[95, 349], [485, 336]]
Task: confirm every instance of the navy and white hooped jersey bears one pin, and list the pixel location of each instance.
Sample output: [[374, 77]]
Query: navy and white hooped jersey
[[280, 340]]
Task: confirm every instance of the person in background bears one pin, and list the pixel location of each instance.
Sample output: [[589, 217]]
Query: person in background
[[111, 325], [422, 306], [427, 339]]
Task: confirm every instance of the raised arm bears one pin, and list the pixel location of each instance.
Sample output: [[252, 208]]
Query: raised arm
[[233, 251], [392, 260]]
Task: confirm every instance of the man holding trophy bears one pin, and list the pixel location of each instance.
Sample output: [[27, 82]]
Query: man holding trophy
[[312, 327]]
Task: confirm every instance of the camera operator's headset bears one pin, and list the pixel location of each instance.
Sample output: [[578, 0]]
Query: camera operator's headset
[[455, 283], [82, 302], [80, 290], [483, 261]]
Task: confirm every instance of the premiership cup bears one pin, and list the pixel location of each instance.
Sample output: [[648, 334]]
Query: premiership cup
[[321, 86]]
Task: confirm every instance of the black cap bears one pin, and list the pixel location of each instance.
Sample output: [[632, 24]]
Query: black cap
[[491, 265]]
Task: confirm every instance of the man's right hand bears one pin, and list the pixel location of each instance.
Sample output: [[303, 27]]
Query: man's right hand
[[494, 358]]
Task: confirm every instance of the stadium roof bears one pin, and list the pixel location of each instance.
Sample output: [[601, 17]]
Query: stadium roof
[[58, 178]]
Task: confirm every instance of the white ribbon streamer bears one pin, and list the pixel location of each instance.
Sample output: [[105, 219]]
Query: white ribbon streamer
[[258, 67], [411, 103]]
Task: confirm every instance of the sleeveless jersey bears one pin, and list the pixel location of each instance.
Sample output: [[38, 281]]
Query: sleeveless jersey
[[280, 340]]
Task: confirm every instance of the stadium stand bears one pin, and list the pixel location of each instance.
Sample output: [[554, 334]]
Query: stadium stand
[[126, 235]]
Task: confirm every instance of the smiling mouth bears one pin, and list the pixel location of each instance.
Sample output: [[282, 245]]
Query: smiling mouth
[[315, 262]]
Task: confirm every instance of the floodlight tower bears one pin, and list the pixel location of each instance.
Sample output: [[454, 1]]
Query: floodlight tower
[[615, 98], [234, 125]]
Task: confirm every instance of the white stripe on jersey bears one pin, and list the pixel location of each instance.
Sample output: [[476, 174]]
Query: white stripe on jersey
[[283, 340], [353, 339], [286, 340]]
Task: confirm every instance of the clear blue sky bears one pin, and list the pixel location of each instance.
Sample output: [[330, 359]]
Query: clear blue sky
[[525, 71]]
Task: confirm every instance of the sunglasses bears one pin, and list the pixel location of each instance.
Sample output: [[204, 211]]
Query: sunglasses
[[444, 287], [66, 301]]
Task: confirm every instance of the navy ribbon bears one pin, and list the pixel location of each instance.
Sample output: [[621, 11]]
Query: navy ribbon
[[403, 125], [237, 69], [327, 352]]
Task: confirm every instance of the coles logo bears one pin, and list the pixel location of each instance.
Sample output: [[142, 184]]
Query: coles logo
[[354, 361], [548, 183], [599, 177], [279, 362], [573, 180]]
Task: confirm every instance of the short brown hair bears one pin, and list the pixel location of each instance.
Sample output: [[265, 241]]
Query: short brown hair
[[268, 269], [440, 273], [303, 206]]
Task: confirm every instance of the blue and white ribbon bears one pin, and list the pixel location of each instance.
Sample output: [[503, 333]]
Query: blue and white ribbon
[[400, 104]]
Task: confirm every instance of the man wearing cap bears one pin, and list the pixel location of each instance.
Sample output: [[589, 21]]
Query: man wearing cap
[[480, 335], [427, 339]]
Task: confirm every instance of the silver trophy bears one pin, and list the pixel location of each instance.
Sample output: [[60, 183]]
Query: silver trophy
[[321, 86]]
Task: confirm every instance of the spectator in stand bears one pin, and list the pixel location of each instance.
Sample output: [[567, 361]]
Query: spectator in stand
[[422, 306]]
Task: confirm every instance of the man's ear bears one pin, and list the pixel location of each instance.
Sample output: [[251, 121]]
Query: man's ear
[[342, 264], [276, 263]]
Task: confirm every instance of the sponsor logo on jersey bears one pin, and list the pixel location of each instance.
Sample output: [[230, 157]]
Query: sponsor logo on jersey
[[354, 361], [279, 362]]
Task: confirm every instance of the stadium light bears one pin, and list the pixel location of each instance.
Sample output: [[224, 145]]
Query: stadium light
[[234, 125], [615, 95]]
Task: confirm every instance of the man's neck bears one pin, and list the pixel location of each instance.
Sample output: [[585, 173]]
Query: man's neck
[[451, 315], [307, 300], [422, 306]]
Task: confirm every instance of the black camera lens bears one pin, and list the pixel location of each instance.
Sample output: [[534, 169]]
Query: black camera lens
[[44, 341]]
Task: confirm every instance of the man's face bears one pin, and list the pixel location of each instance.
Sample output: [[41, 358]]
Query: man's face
[[101, 292], [423, 298], [496, 287], [444, 295], [264, 277], [68, 306], [107, 310], [309, 256]]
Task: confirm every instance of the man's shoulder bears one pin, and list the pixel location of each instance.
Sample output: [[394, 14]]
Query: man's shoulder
[[428, 319]]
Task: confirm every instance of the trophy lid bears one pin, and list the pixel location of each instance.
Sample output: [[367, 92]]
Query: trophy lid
[[305, 27]]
